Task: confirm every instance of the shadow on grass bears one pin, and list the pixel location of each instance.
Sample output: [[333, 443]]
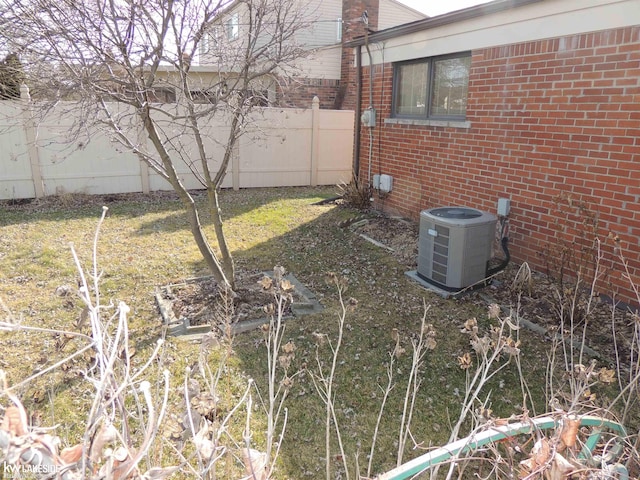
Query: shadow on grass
[[387, 300], [79, 206]]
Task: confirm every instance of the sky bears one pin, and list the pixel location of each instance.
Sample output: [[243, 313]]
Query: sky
[[438, 7]]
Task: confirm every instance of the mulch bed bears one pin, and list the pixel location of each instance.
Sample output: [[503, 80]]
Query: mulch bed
[[536, 301]]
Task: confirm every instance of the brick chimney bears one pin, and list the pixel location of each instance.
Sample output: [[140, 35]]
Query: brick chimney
[[353, 27], [352, 11]]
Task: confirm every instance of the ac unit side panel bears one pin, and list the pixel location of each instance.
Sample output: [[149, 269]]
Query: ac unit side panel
[[458, 242], [477, 252], [467, 262]]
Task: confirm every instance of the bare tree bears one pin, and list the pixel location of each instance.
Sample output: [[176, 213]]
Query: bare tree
[[129, 67]]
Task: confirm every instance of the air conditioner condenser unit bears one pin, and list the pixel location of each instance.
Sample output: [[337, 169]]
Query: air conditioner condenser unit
[[455, 246]]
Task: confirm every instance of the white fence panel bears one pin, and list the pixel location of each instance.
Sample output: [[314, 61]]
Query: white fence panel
[[16, 180], [276, 149], [97, 166], [335, 137], [280, 147], [184, 150]]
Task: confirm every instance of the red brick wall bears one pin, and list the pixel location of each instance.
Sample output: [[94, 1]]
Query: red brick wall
[[548, 118], [300, 94]]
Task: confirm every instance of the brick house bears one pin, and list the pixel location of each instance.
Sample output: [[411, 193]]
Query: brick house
[[530, 100]]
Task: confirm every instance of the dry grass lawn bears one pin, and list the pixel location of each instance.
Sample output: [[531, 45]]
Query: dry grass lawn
[[145, 243]]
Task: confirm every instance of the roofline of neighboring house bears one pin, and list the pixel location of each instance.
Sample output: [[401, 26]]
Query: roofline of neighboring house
[[224, 8], [445, 19], [407, 7], [229, 5]]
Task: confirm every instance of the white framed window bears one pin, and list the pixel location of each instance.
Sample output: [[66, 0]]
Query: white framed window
[[233, 26]]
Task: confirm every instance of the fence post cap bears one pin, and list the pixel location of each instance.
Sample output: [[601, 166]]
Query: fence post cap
[[24, 92]]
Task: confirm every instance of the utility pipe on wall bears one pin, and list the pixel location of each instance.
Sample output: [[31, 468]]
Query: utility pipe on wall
[[356, 152], [371, 110]]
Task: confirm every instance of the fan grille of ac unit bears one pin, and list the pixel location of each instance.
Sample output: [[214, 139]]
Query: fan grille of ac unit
[[440, 254]]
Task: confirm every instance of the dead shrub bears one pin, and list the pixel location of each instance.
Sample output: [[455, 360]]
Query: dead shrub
[[356, 194]]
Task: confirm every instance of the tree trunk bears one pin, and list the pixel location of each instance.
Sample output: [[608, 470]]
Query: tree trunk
[[212, 185], [214, 202], [228, 266], [216, 268]]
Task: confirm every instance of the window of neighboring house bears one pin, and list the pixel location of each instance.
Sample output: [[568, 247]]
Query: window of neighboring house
[[256, 98], [432, 88], [211, 41], [162, 95], [339, 29], [205, 44], [233, 27], [203, 96]]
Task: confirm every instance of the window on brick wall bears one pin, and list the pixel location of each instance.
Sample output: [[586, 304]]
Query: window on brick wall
[[432, 88]]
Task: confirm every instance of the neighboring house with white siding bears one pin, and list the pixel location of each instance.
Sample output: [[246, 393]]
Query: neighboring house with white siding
[[322, 69], [393, 13]]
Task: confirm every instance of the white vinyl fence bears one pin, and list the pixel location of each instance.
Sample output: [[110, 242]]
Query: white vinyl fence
[[282, 147]]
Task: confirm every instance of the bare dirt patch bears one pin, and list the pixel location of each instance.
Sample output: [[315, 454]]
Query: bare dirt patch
[[400, 235], [203, 302], [200, 306]]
